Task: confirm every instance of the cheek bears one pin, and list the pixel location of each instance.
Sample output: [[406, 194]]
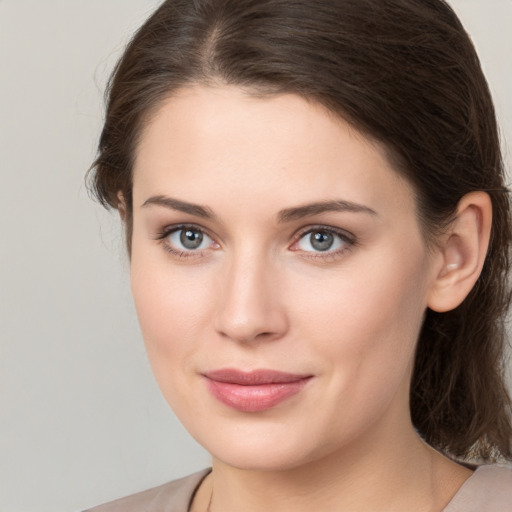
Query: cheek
[[366, 320], [171, 308]]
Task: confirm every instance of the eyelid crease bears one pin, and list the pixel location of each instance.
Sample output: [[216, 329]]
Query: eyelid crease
[[163, 234], [349, 240], [345, 235], [172, 228]]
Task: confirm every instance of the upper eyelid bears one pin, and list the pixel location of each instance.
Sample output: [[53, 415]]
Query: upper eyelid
[[321, 227], [350, 241], [171, 228], [164, 233]]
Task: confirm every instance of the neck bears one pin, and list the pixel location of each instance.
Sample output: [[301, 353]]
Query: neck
[[374, 476]]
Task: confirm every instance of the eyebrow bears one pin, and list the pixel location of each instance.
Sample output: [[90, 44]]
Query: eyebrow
[[286, 215], [290, 214], [181, 206]]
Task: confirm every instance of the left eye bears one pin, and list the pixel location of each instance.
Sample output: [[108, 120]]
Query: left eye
[[189, 239], [321, 240]]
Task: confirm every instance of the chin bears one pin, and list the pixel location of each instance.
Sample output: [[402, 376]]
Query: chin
[[259, 448], [264, 459]]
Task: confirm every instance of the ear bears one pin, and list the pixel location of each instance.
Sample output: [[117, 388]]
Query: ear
[[121, 205], [462, 252]]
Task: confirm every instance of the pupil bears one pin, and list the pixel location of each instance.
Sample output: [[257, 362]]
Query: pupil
[[321, 241], [191, 239]]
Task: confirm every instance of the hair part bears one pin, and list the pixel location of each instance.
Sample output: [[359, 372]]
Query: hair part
[[403, 72]]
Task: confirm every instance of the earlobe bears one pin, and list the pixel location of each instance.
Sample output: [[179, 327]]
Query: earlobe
[[121, 205], [462, 252]]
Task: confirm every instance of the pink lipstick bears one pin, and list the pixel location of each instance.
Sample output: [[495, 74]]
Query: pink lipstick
[[254, 391]]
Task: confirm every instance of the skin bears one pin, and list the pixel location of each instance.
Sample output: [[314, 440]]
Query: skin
[[257, 294]]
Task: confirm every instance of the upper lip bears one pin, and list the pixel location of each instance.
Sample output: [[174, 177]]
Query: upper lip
[[253, 377]]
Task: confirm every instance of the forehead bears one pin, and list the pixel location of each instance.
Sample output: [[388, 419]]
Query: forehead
[[206, 141]]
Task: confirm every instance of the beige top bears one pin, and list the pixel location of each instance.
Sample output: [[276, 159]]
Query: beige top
[[489, 489]]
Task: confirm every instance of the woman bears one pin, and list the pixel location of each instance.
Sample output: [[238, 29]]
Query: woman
[[319, 235]]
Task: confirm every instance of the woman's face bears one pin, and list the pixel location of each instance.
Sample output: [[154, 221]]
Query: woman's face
[[279, 275]]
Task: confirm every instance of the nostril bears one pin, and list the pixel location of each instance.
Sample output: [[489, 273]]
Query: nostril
[[247, 334], [263, 335]]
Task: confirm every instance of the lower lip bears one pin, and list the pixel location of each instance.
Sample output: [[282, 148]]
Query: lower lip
[[256, 398]]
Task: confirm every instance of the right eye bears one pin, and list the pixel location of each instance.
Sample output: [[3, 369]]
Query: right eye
[[186, 241], [189, 239]]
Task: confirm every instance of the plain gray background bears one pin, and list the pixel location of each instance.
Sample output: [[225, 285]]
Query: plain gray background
[[81, 420]]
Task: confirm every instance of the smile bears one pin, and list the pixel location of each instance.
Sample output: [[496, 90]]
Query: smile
[[254, 391]]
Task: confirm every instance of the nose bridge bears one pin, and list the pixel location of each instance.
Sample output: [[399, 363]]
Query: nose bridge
[[249, 306]]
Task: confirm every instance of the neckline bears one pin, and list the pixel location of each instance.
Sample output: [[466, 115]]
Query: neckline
[[465, 488]]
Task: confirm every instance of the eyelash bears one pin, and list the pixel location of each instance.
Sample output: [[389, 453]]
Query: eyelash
[[166, 232], [348, 240]]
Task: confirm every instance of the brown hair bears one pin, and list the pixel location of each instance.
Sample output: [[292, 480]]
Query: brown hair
[[403, 72]]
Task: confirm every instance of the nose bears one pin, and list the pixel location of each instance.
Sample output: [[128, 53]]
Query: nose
[[250, 306]]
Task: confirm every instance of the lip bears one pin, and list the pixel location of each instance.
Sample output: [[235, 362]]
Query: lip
[[254, 391]]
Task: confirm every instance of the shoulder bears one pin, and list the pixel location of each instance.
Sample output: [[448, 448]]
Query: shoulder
[[489, 489], [173, 496]]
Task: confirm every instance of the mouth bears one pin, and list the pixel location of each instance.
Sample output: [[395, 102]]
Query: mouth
[[254, 391]]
